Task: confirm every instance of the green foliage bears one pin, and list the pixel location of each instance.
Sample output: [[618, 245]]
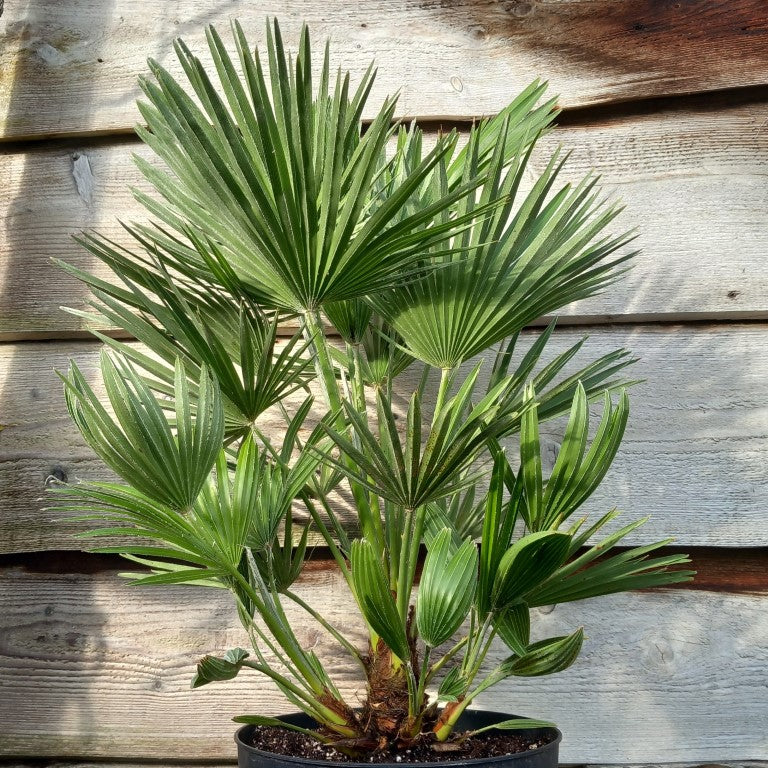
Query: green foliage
[[139, 443], [274, 212], [211, 668], [528, 562], [547, 657], [518, 724], [376, 600], [281, 184], [447, 589]]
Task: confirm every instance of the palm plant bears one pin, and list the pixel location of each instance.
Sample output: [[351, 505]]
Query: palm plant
[[275, 209]]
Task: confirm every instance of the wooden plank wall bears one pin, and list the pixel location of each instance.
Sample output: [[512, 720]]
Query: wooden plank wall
[[669, 101]]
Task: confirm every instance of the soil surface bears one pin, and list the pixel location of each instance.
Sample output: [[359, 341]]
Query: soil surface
[[294, 744]]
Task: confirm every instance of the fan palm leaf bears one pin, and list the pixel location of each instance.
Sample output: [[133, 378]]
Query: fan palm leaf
[[278, 174], [532, 255]]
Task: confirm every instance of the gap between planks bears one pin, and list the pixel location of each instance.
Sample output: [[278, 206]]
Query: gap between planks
[[733, 570], [598, 113], [563, 322]]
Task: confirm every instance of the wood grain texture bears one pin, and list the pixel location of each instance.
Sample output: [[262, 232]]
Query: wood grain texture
[[693, 458], [93, 668], [694, 181], [71, 66]]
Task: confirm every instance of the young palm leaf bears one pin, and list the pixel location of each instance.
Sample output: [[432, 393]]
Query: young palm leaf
[[577, 472], [554, 399], [421, 472], [547, 657], [597, 571], [194, 320], [375, 599], [277, 173], [527, 563], [530, 257], [138, 443], [446, 590]]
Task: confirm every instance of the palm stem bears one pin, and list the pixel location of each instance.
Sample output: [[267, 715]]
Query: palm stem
[[445, 658], [328, 539], [409, 557], [285, 638], [423, 678], [313, 330], [477, 638], [318, 710], [442, 392]]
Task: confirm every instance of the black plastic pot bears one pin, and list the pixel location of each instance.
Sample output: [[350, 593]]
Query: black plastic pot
[[543, 757]]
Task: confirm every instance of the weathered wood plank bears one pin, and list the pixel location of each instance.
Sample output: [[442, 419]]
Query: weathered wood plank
[[693, 181], [71, 67], [92, 668], [742, 764], [693, 458]]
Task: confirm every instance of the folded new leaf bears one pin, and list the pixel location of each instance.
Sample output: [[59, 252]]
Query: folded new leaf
[[138, 442], [547, 656], [375, 598], [212, 668], [453, 685], [514, 627], [527, 563], [447, 588], [517, 724]]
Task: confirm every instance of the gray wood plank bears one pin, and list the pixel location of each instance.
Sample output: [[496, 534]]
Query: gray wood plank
[[93, 668], [693, 181], [693, 458], [71, 66]]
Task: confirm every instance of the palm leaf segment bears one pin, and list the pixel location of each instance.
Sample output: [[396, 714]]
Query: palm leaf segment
[[189, 318], [278, 176], [423, 471], [531, 255], [138, 442], [191, 526], [562, 565]]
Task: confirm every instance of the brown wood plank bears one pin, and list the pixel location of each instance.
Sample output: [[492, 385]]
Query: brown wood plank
[[693, 180], [71, 67], [693, 458], [743, 571], [93, 668]]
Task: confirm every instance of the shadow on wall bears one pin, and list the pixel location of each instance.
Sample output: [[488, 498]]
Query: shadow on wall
[[37, 705], [635, 45]]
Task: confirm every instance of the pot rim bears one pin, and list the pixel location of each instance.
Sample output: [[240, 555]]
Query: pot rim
[[451, 763]]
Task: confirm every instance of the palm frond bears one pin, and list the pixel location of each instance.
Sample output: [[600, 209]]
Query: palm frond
[[276, 173], [532, 255], [138, 442]]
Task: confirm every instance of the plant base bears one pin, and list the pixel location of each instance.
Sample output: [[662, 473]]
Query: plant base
[[543, 756]]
